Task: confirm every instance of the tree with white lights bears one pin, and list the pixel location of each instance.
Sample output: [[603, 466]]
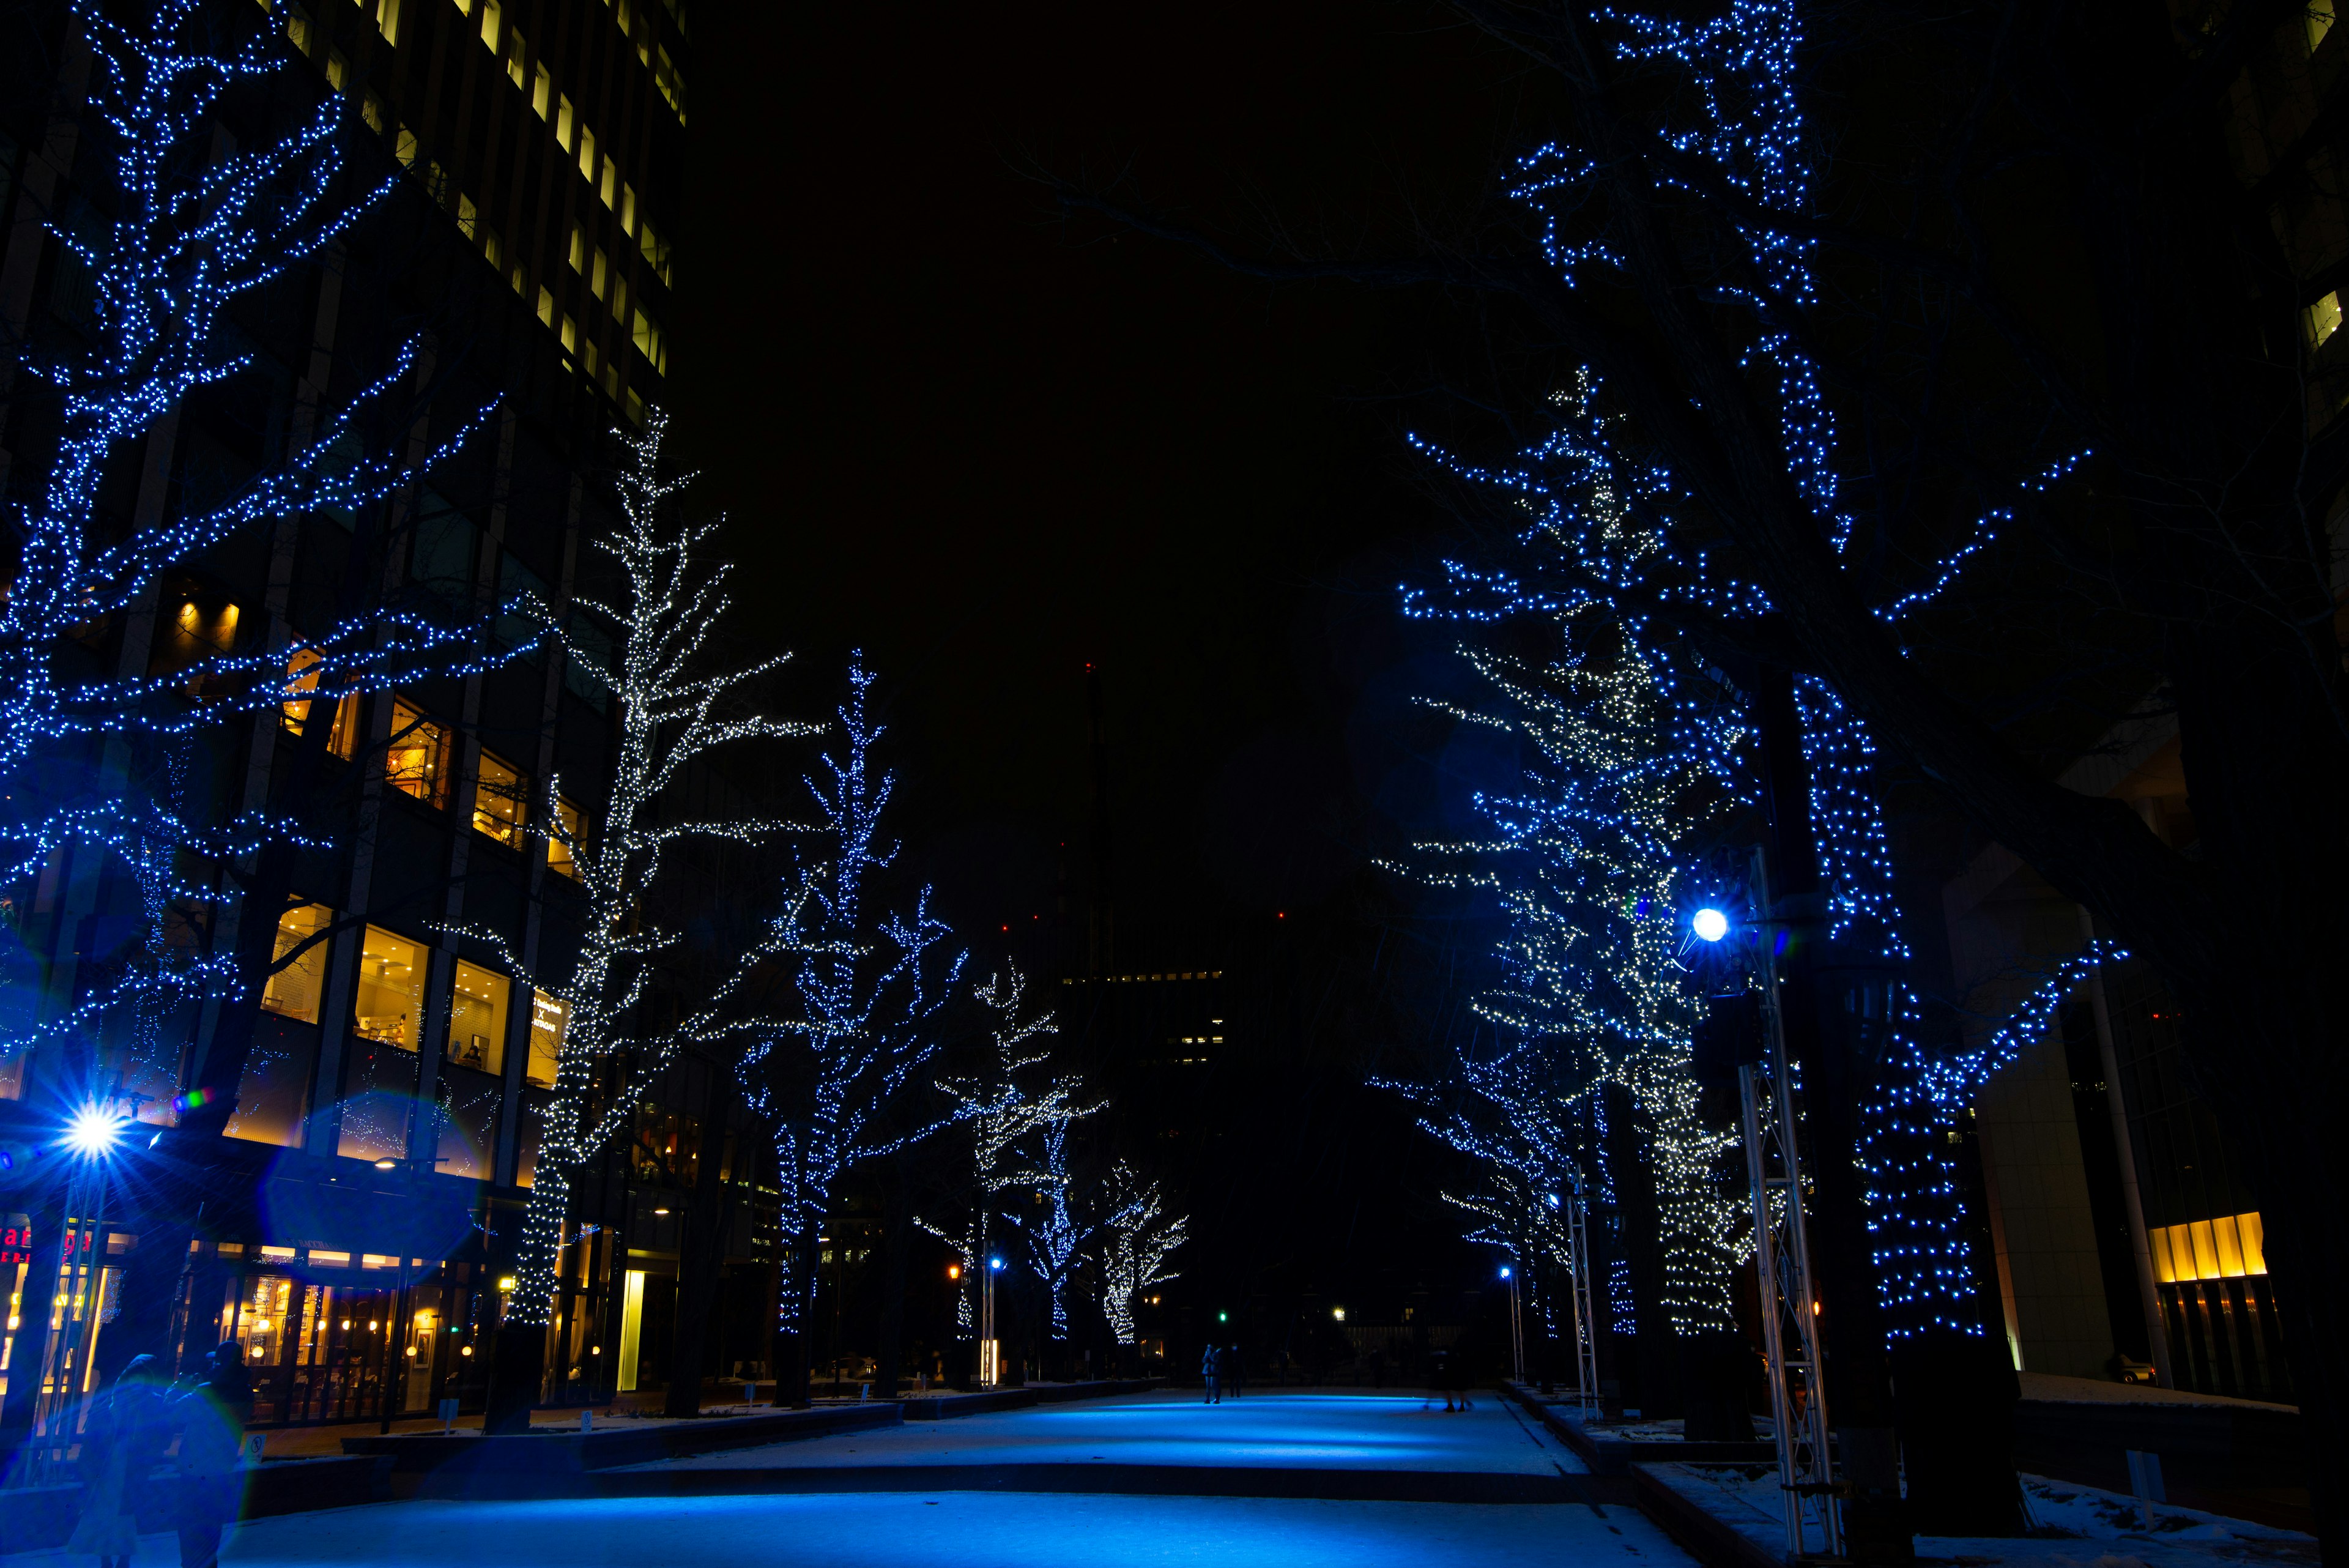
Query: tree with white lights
[[1004, 1105], [829, 1076], [676, 711], [1137, 1236], [1584, 865]]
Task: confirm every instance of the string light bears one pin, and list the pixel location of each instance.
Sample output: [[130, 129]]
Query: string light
[[1604, 536], [1137, 1238], [1003, 1111], [195, 229], [673, 712], [870, 984]]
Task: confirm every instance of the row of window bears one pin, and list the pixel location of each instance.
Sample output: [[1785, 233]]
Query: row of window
[[576, 138], [388, 1004], [417, 763]]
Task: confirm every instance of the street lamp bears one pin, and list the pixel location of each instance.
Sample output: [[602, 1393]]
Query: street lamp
[[90, 1138], [990, 1355]]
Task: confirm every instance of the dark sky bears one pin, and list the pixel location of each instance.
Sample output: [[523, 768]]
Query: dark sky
[[990, 446]]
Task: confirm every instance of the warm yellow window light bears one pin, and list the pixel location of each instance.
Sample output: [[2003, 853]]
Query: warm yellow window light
[[2231, 1247], [294, 989], [499, 804], [416, 757], [559, 844], [2322, 319], [302, 677]]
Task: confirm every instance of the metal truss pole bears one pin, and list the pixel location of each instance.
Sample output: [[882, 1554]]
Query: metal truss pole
[[1782, 1259]]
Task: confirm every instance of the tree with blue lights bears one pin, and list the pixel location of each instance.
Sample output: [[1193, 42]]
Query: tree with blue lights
[[830, 1077], [99, 758], [1825, 271], [1055, 1237], [679, 705]]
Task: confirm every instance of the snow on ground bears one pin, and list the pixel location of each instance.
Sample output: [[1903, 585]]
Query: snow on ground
[[951, 1530], [1272, 1430], [2077, 1527]]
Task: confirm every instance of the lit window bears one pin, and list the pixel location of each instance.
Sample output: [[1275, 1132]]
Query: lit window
[[2228, 1248], [468, 217], [338, 69], [545, 301], [610, 187], [563, 123], [2322, 319], [372, 110], [549, 1017], [294, 989], [499, 808], [390, 1002], [2320, 22], [586, 154], [477, 1018], [602, 273], [489, 20], [302, 676], [542, 91], [655, 253], [386, 21], [569, 834], [629, 208], [297, 30], [492, 249], [515, 50], [416, 758]]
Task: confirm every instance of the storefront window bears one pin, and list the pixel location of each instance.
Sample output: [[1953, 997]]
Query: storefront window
[[501, 803], [477, 1019], [294, 990], [416, 758]]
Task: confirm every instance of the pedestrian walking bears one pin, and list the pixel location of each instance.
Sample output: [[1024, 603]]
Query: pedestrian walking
[[1208, 1371], [210, 1416], [123, 1439], [1235, 1370]]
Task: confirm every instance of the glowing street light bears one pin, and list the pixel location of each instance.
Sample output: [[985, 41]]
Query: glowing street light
[[93, 1131], [1710, 925]]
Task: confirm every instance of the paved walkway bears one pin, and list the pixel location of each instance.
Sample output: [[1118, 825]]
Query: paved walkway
[[1266, 1431], [1374, 1439]]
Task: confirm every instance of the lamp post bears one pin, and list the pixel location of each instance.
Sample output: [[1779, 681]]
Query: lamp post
[[90, 1141], [1516, 1325], [990, 1354]]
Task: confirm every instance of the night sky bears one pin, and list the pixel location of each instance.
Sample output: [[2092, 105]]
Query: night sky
[[991, 445]]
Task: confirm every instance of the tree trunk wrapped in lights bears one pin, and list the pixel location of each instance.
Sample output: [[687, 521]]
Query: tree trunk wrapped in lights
[[1623, 772], [829, 1078], [673, 711], [1137, 1237]]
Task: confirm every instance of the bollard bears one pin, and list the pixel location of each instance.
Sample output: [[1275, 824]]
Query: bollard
[[2145, 1482]]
